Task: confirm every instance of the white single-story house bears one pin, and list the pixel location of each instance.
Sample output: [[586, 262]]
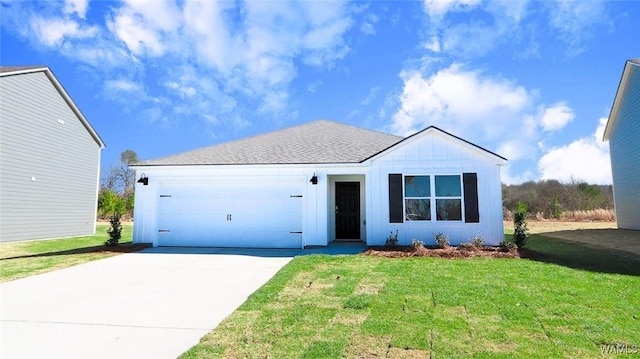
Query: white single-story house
[[320, 182], [623, 134], [49, 159]]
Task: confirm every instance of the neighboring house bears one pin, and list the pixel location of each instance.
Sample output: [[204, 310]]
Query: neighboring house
[[623, 134], [323, 181], [49, 159]]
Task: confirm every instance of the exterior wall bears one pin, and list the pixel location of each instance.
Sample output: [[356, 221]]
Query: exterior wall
[[625, 154], [434, 154], [314, 213], [50, 163]]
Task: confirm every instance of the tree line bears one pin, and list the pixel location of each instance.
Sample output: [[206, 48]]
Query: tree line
[[552, 199], [117, 188]]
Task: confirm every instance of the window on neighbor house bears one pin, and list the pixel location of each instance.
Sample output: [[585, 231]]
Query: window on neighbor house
[[417, 194], [448, 194]]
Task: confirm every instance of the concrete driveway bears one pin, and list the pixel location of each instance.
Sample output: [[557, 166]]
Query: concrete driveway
[[153, 304]]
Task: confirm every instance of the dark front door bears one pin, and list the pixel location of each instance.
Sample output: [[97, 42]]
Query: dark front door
[[347, 210]]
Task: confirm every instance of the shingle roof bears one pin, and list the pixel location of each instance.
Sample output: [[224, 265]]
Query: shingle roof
[[316, 142]]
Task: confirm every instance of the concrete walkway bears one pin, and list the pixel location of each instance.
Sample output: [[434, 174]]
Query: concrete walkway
[[152, 304]]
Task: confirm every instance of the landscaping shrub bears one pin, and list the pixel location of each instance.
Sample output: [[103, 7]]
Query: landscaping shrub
[[415, 244], [520, 230], [115, 231], [392, 240], [506, 246], [477, 240], [442, 239]]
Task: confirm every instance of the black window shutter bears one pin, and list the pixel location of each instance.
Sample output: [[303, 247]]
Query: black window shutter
[[395, 198], [470, 182]]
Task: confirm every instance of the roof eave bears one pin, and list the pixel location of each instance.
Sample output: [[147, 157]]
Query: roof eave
[[74, 108], [624, 80]]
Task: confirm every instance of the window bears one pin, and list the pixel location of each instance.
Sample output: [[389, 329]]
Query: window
[[448, 198], [424, 197], [417, 193]]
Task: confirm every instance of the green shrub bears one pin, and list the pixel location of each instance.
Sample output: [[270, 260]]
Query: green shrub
[[507, 246], [477, 240], [442, 239], [520, 230], [115, 231], [392, 240], [415, 244]]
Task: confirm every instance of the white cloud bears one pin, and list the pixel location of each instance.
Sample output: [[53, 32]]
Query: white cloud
[[146, 26], [585, 159], [367, 26], [454, 98], [53, 31], [313, 86], [79, 7], [556, 117], [438, 8], [249, 51], [487, 110], [574, 21]]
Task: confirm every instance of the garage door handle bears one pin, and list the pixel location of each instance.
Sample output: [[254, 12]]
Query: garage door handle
[[228, 217]]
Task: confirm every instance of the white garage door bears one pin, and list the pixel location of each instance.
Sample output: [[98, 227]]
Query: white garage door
[[231, 214]]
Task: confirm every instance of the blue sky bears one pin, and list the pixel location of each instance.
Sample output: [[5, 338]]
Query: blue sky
[[533, 81]]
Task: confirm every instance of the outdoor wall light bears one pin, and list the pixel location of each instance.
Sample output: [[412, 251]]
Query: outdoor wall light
[[314, 179], [143, 179]]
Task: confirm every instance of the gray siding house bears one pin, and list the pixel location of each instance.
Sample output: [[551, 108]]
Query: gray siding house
[[623, 134], [49, 159]]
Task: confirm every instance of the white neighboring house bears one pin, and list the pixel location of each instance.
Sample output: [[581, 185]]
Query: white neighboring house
[[49, 159], [321, 182], [623, 134]]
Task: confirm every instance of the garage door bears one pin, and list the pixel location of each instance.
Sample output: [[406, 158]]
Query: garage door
[[231, 214]]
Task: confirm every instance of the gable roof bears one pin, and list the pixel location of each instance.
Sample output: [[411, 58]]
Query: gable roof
[[431, 129], [22, 70], [316, 142], [617, 101]]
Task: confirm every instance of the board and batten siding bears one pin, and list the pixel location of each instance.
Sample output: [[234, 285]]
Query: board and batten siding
[[49, 163], [624, 144], [437, 154]]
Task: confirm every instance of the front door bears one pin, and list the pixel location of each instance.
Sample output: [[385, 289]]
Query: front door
[[348, 210]]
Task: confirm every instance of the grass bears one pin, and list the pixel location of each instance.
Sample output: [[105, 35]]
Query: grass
[[566, 301], [22, 259]]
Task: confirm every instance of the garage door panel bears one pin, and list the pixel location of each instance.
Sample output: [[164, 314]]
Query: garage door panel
[[230, 214]]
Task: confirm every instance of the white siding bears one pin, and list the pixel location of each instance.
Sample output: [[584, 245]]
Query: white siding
[[435, 154], [430, 153], [49, 163], [624, 143]]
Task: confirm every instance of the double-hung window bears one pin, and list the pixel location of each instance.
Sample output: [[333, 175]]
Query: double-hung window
[[448, 190], [417, 198]]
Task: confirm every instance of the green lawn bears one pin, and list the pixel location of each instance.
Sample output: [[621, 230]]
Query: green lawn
[[19, 260], [568, 301]]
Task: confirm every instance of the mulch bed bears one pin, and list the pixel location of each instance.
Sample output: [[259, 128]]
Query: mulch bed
[[449, 252]]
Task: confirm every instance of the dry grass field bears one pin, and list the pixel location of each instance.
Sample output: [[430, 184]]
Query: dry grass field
[[604, 234]]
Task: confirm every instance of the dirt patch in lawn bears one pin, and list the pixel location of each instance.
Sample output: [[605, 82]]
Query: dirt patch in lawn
[[603, 234], [449, 252]]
